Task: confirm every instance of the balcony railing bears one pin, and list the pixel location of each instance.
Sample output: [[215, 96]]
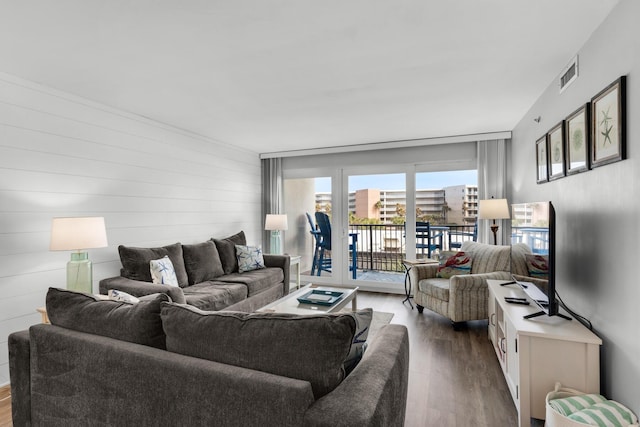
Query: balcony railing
[[382, 247]]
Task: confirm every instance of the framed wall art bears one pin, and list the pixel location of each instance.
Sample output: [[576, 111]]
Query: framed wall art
[[608, 143], [555, 147], [542, 160], [577, 136]]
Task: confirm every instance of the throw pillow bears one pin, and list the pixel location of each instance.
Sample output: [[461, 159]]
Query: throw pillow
[[115, 295], [227, 250], [138, 323], [135, 262], [538, 266], [162, 272], [454, 264], [306, 347], [359, 344], [202, 262], [609, 413], [249, 258], [569, 405]]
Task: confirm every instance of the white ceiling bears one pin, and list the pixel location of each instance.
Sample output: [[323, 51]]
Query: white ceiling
[[279, 75]]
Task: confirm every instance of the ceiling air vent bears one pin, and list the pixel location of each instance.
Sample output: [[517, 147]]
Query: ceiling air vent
[[569, 74]]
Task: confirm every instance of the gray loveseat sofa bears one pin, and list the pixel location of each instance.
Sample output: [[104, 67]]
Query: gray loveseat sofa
[[207, 275], [156, 363]]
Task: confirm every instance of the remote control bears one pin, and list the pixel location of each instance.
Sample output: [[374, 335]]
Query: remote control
[[516, 301]]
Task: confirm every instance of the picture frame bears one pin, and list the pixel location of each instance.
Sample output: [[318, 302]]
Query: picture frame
[[555, 150], [608, 124], [578, 140], [542, 160]]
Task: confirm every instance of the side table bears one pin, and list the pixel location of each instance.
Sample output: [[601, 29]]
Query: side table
[[295, 260], [408, 264], [43, 313]]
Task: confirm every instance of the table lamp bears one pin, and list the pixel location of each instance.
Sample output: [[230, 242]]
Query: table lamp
[[78, 234], [493, 209], [275, 223]]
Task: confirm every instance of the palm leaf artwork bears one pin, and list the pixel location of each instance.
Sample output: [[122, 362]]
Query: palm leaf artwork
[[606, 126], [577, 139]]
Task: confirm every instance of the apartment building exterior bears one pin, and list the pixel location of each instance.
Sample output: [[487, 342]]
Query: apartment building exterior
[[454, 204]]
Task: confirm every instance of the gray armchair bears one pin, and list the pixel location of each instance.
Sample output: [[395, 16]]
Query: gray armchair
[[465, 297]]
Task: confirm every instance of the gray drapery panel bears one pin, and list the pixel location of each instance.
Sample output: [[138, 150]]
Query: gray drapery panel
[[272, 200], [492, 181]]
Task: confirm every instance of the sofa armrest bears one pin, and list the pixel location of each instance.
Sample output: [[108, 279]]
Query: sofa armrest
[[469, 295], [474, 282], [138, 288], [419, 272], [20, 377], [282, 261], [125, 384], [378, 383]]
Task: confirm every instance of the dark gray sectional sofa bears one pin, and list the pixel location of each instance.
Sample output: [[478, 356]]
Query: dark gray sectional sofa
[[207, 275], [158, 363]]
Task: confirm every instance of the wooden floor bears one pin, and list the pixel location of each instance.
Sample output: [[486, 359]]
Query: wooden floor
[[454, 377], [5, 407]]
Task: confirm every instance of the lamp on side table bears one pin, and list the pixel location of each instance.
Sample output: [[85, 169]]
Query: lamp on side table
[[78, 234], [275, 223]]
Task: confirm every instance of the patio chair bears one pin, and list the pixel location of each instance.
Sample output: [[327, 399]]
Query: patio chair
[[426, 239], [458, 244], [324, 261], [317, 239]]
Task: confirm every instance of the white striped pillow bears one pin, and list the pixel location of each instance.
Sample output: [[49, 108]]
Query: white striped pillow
[[569, 405], [605, 414]]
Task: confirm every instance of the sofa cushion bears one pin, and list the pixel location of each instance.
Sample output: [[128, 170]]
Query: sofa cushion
[[519, 251], [306, 347], [488, 258], [135, 262], [435, 288], [454, 264], [227, 250], [256, 281], [249, 258], [162, 272], [202, 262], [137, 323], [214, 296]]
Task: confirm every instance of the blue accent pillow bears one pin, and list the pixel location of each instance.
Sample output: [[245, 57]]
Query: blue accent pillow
[[249, 258]]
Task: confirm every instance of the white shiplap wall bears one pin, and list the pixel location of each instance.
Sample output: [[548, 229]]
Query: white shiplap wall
[[61, 155]]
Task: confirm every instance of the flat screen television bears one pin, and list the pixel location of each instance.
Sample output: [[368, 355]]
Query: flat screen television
[[535, 225]]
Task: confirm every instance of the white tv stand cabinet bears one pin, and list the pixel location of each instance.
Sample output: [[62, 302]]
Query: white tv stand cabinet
[[536, 353]]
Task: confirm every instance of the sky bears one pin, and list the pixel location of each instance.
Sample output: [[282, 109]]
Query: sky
[[426, 180]]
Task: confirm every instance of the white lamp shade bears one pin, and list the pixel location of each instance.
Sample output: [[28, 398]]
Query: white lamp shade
[[276, 222], [493, 209], [71, 234]]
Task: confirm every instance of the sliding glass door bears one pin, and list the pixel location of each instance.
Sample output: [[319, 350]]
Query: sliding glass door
[[355, 226], [376, 214]]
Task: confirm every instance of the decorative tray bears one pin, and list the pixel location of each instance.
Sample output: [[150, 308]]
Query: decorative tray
[[320, 297]]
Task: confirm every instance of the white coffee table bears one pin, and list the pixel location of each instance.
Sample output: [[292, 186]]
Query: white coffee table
[[290, 304]]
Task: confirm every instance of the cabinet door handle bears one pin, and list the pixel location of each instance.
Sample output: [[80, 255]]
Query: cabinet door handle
[[502, 346], [493, 319]]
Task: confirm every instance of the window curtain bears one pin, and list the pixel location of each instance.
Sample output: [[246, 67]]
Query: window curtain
[[492, 182], [272, 201]]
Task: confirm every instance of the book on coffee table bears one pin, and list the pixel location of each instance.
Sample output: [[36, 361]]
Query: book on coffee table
[[320, 297]]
